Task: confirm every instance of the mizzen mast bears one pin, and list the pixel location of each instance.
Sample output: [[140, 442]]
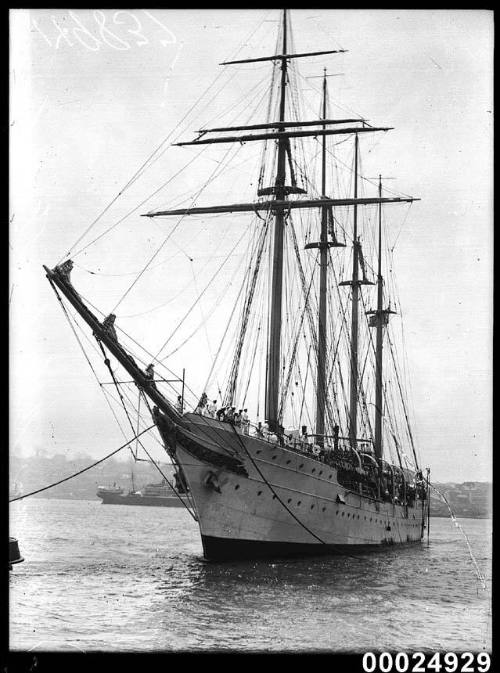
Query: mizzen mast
[[355, 283]]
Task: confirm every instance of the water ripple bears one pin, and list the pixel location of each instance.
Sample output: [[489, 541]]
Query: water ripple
[[133, 579]]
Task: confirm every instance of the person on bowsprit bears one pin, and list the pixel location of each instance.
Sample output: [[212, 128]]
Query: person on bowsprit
[[65, 269], [178, 405], [150, 375], [108, 325]]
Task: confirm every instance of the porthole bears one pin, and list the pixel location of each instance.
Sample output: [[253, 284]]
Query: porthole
[[301, 466], [313, 470], [312, 506], [320, 472], [370, 519], [330, 476], [300, 502], [348, 515], [288, 462], [257, 452], [289, 500], [236, 487], [274, 458], [274, 497], [259, 493], [343, 513], [323, 509], [337, 512]]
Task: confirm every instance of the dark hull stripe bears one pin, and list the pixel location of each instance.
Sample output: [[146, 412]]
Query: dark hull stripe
[[226, 549]]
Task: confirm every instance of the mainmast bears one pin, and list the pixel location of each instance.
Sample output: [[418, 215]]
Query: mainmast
[[274, 339], [323, 245]]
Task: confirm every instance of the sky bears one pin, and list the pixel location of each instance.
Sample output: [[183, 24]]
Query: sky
[[93, 93]]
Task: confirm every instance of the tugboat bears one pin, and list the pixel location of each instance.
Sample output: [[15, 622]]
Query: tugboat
[[109, 491]]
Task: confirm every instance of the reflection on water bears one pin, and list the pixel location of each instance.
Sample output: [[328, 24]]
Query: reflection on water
[[133, 578]]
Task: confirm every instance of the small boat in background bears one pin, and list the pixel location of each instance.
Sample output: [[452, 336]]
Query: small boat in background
[[14, 553], [105, 491], [151, 495]]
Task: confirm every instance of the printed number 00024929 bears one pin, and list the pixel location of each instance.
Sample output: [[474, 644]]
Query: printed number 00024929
[[418, 662]]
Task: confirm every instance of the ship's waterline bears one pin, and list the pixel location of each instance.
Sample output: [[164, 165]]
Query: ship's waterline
[[287, 504]]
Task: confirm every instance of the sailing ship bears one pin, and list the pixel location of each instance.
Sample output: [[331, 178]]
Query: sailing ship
[[332, 465]]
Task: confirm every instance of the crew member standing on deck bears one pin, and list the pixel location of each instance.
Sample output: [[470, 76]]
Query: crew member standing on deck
[[201, 408], [245, 422], [212, 408]]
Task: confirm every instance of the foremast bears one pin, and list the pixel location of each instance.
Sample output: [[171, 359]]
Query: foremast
[[321, 393], [274, 337]]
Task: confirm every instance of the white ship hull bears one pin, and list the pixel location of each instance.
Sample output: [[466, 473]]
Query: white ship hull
[[287, 504]]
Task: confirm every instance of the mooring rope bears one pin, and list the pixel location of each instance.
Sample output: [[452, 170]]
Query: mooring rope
[[479, 574], [85, 469]]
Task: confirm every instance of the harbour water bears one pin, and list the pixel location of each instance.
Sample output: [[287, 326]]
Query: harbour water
[[111, 578]]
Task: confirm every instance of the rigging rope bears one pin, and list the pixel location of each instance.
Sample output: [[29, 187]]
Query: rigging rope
[[157, 152], [231, 386], [228, 256]]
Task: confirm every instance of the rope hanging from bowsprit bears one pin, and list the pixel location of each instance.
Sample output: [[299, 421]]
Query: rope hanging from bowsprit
[[117, 385]]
